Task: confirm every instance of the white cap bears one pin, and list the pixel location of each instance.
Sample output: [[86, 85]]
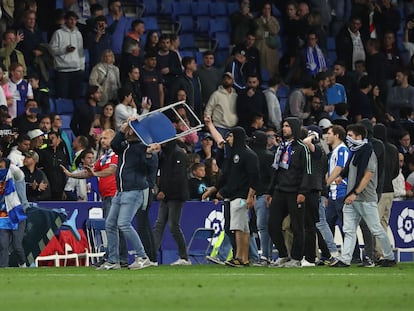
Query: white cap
[[325, 123], [35, 133]]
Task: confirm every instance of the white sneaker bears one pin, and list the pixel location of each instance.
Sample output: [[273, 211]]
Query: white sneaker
[[154, 264], [279, 262], [23, 265], [306, 263], [181, 262], [140, 263], [109, 266]]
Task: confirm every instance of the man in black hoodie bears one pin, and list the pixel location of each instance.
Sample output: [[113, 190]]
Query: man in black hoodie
[[290, 184], [173, 192], [237, 186]]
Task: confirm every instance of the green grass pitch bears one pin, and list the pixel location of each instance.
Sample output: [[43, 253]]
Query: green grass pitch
[[208, 287]]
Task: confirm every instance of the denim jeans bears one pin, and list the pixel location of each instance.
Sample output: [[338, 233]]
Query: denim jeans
[[17, 242], [123, 208], [352, 216], [123, 246], [262, 213], [170, 212], [324, 229]]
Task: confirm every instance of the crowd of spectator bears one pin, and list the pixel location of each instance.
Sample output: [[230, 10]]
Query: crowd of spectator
[[92, 54]]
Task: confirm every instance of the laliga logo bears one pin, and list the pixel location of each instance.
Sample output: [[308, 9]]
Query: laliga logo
[[215, 220], [406, 225]]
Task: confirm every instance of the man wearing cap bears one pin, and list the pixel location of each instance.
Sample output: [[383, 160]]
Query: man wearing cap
[[221, 106], [16, 155], [67, 45], [37, 188], [206, 151], [36, 139], [238, 69]]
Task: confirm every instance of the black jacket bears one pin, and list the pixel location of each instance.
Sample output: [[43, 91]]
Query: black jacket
[[173, 173], [391, 167], [82, 119], [134, 164], [265, 157], [295, 179], [241, 169]]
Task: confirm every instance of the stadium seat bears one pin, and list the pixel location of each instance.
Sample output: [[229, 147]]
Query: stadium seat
[[232, 7], [150, 7], [203, 25], [200, 8], [166, 7], [65, 121], [64, 106], [219, 9], [222, 40], [219, 24], [151, 23], [186, 24], [180, 9], [200, 244], [187, 42], [186, 53], [330, 43]]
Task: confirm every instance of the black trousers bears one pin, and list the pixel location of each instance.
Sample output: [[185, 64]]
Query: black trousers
[[283, 204], [311, 218]]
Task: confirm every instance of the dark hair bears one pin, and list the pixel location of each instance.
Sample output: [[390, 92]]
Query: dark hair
[[165, 37], [22, 138], [100, 18], [29, 100], [136, 22], [364, 82], [196, 166], [207, 53], [310, 84], [92, 89], [340, 63], [357, 129], [54, 133], [341, 108], [187, 61], [70, 14], [276, 79], [338, 130], [123, 92], [83, 141], [96, 7]]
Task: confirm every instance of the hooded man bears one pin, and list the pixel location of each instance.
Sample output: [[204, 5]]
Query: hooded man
[[237, 186], [286, 193]]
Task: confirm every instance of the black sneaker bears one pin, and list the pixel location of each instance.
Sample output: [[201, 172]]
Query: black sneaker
[[339, 264], [367, 263], [236, 262], [387, 263]]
